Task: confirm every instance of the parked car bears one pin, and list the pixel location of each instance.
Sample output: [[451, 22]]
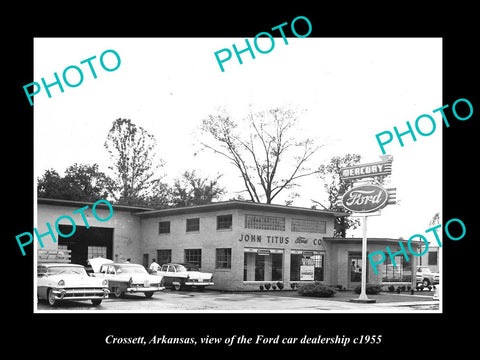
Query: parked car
[[179, 276], [126, 278], [426, 277], [64, 281]]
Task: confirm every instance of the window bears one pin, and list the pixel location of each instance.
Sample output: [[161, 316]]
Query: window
[[193, 256], [164, 256], [164, 227], [261, 222], [96, 251], [401, 272], [301, 265], [263, 265], [224, 222], [310, 226], [433, 258], [223, 259], [193, 224]]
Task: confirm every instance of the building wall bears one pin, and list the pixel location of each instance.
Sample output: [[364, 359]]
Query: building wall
[[126, 233], [209, 239]]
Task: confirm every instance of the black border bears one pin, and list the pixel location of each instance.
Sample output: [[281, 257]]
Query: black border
[[82, 334]]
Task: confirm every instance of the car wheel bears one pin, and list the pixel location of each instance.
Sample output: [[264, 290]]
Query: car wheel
[[177, 287], [96, 301], [148, 294], [426, 282], [117, 292], [51, 298]]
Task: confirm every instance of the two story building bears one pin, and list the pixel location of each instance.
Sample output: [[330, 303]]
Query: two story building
[[243, 244]]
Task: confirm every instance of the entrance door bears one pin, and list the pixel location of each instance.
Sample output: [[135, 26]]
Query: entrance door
[[354, 271]]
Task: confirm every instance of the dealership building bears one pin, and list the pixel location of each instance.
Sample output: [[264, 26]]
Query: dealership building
[[243, 244]]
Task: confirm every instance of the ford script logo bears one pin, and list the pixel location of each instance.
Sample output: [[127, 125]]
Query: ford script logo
[[365, 198]]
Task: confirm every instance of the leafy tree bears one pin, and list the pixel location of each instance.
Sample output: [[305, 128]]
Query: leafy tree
[[267, 155], [82, 182], [336, 188], [191, 189], [135, 163]]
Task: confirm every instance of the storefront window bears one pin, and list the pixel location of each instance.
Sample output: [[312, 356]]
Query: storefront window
[[306, 266], [263, 265], [400, 273]]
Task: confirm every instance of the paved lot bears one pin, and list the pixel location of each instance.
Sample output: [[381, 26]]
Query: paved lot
[[213, 301]]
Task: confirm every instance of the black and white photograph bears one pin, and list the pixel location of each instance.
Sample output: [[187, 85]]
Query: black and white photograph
[[226, 186], [273, 184]]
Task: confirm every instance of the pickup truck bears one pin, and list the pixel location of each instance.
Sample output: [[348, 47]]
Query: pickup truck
[[426, 277]]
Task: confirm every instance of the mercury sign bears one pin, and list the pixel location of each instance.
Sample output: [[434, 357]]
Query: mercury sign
[[358, 171], [365, 198]]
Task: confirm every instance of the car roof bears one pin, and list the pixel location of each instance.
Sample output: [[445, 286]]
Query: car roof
[[59, 264], [184, 264]]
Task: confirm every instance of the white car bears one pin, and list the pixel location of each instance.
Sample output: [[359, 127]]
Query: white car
[[181, 276], [63, 281], [126, 278]]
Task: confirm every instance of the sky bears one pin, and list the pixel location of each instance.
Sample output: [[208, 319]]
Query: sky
[[347, 90]]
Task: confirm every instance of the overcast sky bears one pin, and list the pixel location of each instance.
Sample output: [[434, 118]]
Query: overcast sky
[[349, 89]]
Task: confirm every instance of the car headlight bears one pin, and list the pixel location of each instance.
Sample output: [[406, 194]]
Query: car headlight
[[61, 283], [105, 282]]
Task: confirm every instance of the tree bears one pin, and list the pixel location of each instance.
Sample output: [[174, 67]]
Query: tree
[[192, 189], [135, 163], [82, 182], [336, 188], [267, 155]]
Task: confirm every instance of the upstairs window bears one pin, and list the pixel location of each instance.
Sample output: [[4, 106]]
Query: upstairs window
[[224, 222], [164, 227]]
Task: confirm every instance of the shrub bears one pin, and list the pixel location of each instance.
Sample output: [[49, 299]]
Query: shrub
[[371, 289], [274, 287], [293, 285], [391, 288], [316, 289], [267, 286], [261, 287], [280, 285]]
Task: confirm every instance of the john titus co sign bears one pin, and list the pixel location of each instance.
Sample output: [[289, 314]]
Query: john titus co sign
[[365, 198]]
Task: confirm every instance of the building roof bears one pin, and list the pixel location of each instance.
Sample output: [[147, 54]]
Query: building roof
[[216, 206], [61, 202], [237, 204], [351, 240]]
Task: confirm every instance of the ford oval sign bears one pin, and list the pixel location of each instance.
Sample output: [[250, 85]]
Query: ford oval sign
[[365, 198]]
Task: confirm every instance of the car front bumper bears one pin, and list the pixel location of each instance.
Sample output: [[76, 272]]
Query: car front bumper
[[80, 293], [198, 283], [135, 289]]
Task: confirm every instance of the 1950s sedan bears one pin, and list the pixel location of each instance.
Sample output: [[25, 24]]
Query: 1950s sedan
[[126, 278], [182, 276], [64, 281]]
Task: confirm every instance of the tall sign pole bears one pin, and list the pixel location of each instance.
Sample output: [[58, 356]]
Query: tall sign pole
[[367, 199], [363, 293]]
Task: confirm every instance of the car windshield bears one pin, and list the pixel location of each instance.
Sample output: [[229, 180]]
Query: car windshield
[[57, 270], [424, 270], [131, 269]]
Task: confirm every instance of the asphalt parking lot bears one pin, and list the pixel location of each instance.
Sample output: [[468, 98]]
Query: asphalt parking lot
[[215, 301]]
